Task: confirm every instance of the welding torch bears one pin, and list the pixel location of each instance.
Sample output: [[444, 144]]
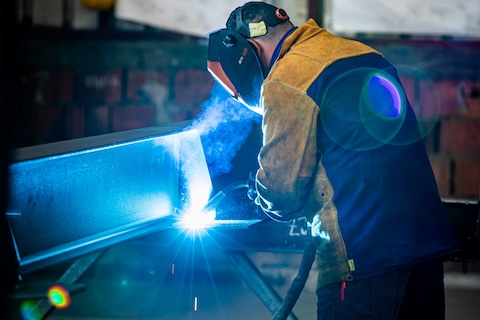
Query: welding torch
[[221, 195]]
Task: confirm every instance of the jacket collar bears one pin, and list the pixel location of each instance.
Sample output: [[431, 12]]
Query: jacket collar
[[295, 35]]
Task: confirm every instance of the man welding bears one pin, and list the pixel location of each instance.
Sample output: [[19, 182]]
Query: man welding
[[341, 146]]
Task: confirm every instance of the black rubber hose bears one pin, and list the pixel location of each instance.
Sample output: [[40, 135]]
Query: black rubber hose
[[298, 283]]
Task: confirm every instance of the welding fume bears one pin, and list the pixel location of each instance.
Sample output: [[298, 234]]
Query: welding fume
[[341, 146]]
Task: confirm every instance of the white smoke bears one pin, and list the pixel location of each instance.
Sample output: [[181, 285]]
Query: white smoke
[[224, 125]]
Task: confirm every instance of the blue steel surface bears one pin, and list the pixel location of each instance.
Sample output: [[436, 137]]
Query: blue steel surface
[[67, 204]]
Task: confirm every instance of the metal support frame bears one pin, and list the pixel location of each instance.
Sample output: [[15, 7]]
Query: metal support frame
[[255, 280], [38, 291], [68, 280]]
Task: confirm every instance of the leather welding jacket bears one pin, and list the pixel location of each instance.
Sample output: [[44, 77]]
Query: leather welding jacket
[[337, 149]]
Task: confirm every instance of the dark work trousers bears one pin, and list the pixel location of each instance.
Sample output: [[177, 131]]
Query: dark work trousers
[[402, 294]]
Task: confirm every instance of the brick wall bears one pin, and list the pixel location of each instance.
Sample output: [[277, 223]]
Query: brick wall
[[450, 112], [65, 104], [72, 89]]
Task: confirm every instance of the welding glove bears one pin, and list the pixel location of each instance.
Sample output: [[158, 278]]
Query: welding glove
[[253, 195]]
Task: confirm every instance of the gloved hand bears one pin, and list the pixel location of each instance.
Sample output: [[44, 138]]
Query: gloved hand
[[252, 195]]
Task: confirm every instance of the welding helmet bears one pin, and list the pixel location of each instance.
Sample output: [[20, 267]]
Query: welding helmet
[[232, 61], [234, 64]]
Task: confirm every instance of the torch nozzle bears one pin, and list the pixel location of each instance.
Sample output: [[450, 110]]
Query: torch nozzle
[[214, 202], [220, 196]]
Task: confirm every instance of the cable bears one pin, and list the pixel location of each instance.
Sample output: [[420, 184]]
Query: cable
[[298, 283], [309, 254]]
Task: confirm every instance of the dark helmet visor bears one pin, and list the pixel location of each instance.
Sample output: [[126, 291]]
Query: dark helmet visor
[[234, 64]]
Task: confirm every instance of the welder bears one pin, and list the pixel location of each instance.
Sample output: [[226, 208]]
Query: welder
[[341, 146]]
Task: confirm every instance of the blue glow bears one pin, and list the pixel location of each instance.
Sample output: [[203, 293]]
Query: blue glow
[[383, 109], [97, 195], [29, 311], [364, 109], [197, 183], [384, 96], [197, 220]]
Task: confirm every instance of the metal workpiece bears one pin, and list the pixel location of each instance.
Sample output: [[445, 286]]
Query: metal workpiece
[[73, 197]]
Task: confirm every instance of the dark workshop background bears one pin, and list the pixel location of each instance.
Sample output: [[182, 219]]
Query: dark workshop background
[[60, 83]]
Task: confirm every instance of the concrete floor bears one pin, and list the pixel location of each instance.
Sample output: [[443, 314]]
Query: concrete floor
[[133, 281]]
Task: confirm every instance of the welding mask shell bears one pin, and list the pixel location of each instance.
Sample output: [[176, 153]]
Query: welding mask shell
[[233, 63]]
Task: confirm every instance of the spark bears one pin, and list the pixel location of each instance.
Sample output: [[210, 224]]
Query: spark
[[197, 220], [195, 303]]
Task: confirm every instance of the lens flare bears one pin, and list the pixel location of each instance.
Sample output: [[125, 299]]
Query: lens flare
[[364, 109], [29, 311], [384, 96], [58, 297], [383, 108]]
